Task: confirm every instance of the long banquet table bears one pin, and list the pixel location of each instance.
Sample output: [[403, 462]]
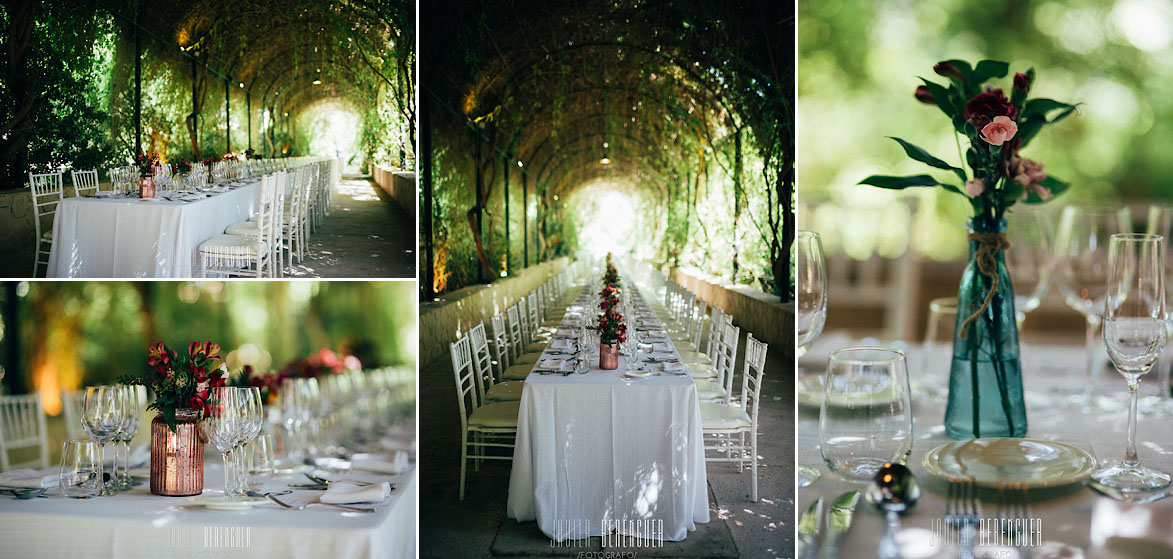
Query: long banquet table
[[1076, 522], [129, 237], [598, 449], [137, 524]]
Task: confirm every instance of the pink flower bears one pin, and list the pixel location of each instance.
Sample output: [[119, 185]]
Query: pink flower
[[974, 188], [999, 131], [1025, 171]]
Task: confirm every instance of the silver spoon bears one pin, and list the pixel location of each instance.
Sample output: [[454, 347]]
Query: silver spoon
[[893, 491]]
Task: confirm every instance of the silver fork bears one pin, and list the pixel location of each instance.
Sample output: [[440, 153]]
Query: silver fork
[[962, 511], [287, 506], [1015, 516]]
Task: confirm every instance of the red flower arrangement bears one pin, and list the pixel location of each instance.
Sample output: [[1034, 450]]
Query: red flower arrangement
[[183, 166], [181, 381], [146, 163], [611, 329], [316, 365]]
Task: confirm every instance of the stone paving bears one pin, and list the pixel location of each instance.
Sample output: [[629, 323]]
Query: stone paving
[[477, 527]]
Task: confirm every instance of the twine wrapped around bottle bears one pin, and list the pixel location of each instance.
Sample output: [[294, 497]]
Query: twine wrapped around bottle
[[989, 244]]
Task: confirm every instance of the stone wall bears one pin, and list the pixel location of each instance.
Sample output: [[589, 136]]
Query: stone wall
[[399, 185], [763, 314], [454, 313], [16, 218]]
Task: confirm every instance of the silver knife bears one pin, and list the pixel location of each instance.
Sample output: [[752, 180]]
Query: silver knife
[[807, 543], [838, 522]]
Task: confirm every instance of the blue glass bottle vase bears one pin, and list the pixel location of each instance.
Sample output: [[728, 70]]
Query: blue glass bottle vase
[[985, 378]]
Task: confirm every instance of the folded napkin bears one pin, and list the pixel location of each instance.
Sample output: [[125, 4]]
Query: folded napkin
[[672, 367], [140, 454], [556, 364], [28, 478], [565, 332], [344, 493], [560, 344], [381, 463], [656, 334], [661, 348]]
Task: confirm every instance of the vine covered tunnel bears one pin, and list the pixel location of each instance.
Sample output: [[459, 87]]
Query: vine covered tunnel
[[90, 83], [658, 130]]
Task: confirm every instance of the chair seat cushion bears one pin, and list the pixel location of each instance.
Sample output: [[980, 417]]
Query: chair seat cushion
[[708, 390], [698, 370], [528, 358], [496, 414], [517, 372], [721, 416], [505, 391], [233, 245], [536, 347], [696, 356], [47, 236]]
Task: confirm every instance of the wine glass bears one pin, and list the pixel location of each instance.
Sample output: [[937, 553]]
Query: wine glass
[[251, 426], [1160, 222], [811, 289], [102, 417], [258, 462], [1031, 237], [1081, 270], [1134, 333], [134, 396], [866, 417], [811, 309], [223, 425], [937, 351], [81, 471]]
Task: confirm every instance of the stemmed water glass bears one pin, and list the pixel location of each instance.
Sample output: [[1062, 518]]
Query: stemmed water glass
[[134, 397], [811, 309], [102, 417], [1081, 270], [1160, 222], [1032, 236], [250, 425], [224, 425], [1134, 332]]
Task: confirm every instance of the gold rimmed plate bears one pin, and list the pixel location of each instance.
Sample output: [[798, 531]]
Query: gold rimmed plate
[[999, 460]]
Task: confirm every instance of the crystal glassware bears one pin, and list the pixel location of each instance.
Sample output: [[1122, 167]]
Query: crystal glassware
[[811, 310], [223, 426], [1031, 235], [81, 463], [1081, 271], [1134, 333], [102, 417], [865, 420], [258, 462]]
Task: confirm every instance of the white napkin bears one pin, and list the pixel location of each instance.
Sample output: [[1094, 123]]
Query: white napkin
[[656, 334], [661, 348], [672, 367], [31, 479], [555, 364], [140, 454], [560, 344], [342, 493], [380, 464], [564, 332]]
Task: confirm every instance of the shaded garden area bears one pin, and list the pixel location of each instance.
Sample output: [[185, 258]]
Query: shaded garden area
[[659, 130], [88, 84]]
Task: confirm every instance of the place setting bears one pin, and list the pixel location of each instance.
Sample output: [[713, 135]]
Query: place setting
[[919, 450]]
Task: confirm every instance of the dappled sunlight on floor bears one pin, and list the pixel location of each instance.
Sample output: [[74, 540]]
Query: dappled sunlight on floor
[[358, 190]]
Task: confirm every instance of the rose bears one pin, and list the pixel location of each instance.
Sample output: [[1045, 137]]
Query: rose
[[1000, 131], [974, 188], [985, 106], [1025, 171]]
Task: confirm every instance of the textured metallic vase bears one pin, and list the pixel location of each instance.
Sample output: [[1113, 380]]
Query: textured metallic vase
[[146, 187], [608, 356], [177, 459]]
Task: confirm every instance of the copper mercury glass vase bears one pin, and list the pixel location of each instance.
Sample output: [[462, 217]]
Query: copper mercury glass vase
[[608, 357], [177, 459]]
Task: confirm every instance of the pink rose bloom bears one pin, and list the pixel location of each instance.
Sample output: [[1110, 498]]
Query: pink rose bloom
[[1025, 171], [974, 188], [1000, 131], [1042, 191]]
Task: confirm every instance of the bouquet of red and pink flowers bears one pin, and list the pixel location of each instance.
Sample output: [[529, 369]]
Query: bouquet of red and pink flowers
[[181, 381], [609, 298], [611, 329], [324, 362], [146, 163]]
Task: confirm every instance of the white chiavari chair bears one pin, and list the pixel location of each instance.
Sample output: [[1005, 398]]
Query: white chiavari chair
[[85, 183], [238, 255], [47, 192], [482, 359], [71, 407], [22, 425], [492, 425], [720, 422]]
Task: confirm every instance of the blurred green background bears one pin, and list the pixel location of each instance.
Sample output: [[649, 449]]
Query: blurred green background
[[66, 335], [859, 62]]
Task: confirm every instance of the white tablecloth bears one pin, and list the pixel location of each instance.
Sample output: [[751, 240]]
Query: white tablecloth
[[598, 447], [136, 524], [1075, 523], [131, 238]]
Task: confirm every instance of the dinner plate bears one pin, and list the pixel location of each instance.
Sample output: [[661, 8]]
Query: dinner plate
[[638, 374], [998, 460], [809, 392], [292, 469], [219, 501]]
